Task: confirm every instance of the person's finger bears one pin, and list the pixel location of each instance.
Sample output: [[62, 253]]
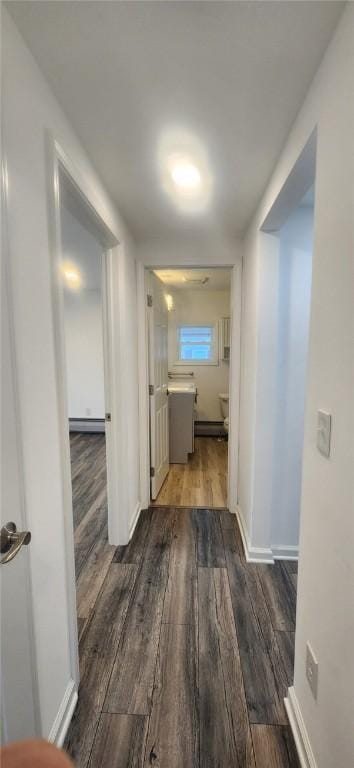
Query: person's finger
[[33, 754]]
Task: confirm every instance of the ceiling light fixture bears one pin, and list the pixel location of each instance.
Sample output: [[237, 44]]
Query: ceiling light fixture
[[186, 175], [185, 171]]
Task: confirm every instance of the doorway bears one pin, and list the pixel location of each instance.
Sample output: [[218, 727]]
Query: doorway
[[284, 341], [80, 236], [285, 272], [82, 270], [189, 340]]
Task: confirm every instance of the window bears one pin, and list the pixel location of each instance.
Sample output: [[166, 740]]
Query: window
[[197, 345]]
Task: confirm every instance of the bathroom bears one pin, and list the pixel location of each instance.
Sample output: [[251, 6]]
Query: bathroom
[[198, 327]]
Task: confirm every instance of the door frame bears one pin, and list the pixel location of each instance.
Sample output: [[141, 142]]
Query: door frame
[[300, 177], [66, 181], [234, 378], [151, 283]]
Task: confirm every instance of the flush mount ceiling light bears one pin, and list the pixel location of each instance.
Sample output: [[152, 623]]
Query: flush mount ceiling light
[[185, 175], [184, 171]]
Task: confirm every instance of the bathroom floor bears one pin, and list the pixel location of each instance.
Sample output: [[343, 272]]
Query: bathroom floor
[[200, 483]]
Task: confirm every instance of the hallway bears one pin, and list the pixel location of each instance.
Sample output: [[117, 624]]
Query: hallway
[[188, 652], [177, 251]]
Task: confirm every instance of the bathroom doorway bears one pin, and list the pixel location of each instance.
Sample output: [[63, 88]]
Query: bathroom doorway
[[189, 333]]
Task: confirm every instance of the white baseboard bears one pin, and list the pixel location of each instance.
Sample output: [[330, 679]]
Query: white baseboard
[[62, 721], [297, 725], [285, 552], [252, 554], [263, 554], [134, 520]]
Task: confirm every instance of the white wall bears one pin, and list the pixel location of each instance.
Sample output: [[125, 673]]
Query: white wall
[[211, 250], [284, 287], [201, 306], [31, 119], [84, 354], [83, 321], [326, 575], [266, 378], [294, 301]]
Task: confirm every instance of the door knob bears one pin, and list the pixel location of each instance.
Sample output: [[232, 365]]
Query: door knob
[[11, 541]]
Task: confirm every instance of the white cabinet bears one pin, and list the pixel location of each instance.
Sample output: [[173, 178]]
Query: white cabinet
[[181, 423], [225, 338]]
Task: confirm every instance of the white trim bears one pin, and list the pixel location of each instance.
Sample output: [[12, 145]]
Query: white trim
[[234, 386], [134, 520], [193, 363], [263, 554], [283, 552], [113, 367], [243, 529], [252, 554], [298, 728], [65, 179], [65, 712], [87, 425], [143, 385]]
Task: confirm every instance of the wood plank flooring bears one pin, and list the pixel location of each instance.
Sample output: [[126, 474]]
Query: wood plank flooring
[[93, 554], [132, 679], [225, 736], [173, 732], [200, 483], [186, 650]]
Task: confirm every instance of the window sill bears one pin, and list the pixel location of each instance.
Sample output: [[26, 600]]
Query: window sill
[[194, 363]]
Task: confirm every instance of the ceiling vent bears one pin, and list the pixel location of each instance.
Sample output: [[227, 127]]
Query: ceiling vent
[[197, 280]]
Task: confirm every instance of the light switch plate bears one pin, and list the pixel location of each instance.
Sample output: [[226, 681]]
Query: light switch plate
[[324, 429]]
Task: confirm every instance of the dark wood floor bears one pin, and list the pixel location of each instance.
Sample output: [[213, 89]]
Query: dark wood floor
[[186, 650], [93, 554]]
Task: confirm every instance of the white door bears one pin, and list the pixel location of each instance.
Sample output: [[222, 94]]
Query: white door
[[18, 685], [158, 375]]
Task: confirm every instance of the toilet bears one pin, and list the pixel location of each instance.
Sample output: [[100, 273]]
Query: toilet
[[224, 405]]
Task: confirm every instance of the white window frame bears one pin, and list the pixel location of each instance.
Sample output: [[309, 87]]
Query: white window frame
[[214, 345]]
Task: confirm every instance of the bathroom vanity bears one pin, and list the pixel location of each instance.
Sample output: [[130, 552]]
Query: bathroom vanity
[[181, 406]]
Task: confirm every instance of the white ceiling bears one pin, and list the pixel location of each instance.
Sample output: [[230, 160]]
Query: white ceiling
[[232, 74], [184, 279]]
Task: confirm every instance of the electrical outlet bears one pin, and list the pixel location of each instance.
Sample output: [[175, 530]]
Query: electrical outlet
[[312, 670], [88, 411]]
